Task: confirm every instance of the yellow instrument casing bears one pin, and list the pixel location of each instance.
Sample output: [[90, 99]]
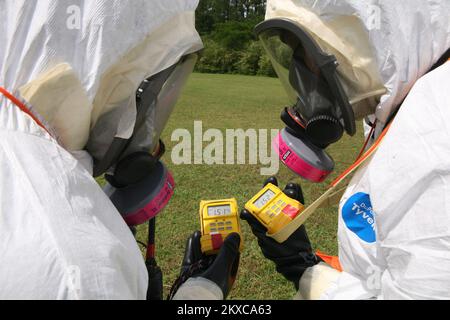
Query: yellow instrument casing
[[218, 219], [273, 209]]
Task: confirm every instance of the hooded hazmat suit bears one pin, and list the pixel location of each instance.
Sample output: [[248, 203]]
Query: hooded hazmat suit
[[394, 218], [394, 224], [76, 65], [394, 231]]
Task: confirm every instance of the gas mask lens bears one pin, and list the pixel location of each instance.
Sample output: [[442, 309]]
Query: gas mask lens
[[139, 184], [280, 55], [307, 88], [320, 110]]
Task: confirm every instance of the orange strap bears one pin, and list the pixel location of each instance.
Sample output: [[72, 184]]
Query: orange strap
[[332, 261], [363, 158], [22, 107]]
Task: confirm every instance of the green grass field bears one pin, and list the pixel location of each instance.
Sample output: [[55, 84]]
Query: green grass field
[[232, 101]]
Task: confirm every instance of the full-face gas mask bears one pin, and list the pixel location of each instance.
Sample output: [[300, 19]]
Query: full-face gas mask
[[320, 111], [139, 184]]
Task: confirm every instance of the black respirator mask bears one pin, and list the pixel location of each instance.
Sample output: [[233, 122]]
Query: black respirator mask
[[138, 183], [320, 110]]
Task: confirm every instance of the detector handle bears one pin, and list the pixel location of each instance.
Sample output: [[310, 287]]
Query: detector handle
[[155, 276]]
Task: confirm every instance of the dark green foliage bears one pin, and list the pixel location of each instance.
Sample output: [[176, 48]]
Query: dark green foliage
[[227, 27], [265, 67], [234, 35], [217, 59], [212, 12]]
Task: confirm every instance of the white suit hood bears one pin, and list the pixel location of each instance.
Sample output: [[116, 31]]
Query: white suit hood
[[74, 61]]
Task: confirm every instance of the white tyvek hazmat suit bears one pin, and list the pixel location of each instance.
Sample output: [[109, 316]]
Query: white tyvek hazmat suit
[[394, 230], [394, 220], [73, 62]]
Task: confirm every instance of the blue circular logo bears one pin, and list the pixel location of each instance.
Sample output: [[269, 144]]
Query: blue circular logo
[[358, 216]]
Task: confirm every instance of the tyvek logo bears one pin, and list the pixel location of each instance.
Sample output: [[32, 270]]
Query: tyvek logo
[[358, 216]]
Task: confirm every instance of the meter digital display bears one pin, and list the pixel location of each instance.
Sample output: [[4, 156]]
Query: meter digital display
[[215, 211], [273, 208], [266, 197], [218, 218]]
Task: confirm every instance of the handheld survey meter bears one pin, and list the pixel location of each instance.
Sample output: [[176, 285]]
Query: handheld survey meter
[[273, 208], [218, 219]]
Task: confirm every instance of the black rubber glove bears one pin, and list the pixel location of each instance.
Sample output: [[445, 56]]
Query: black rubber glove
[[293, 256], [220, 269]]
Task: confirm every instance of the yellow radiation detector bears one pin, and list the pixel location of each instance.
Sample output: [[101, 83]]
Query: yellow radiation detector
[[273, 208], [218, 219]]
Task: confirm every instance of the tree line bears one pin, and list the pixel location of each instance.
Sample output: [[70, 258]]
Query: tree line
[[226, 27]]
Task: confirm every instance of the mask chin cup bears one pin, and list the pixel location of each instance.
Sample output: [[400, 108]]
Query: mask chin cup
[[132, 169], [302, 156]]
